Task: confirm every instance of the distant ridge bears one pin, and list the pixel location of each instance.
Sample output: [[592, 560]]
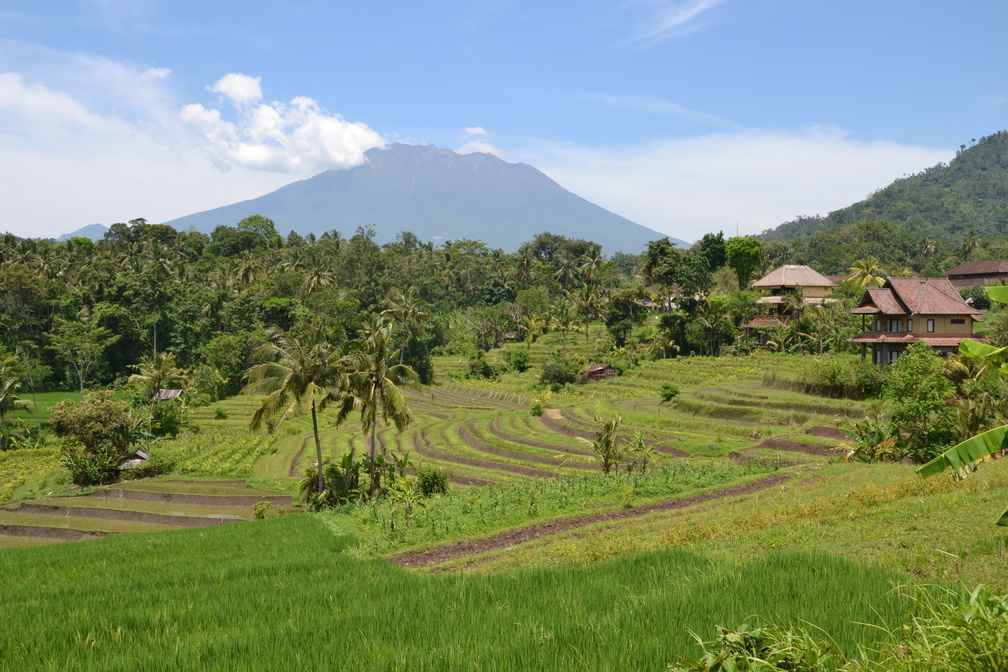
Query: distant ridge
[[940, 203], [438, 195], [91, 231]]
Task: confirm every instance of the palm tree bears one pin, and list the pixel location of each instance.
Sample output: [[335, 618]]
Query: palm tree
[[156, 372], [867, 272], [374, 385], [296, 375], [408, 309], [566, 269], [589, 303], [562, 319], [590, 266], [9, 401]]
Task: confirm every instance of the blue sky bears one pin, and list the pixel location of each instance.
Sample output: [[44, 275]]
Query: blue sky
[[686, 116]]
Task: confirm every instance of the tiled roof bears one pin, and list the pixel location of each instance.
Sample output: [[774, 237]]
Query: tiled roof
[[932, 296], [791, 275], [881, 300], [915, 296], [990, 267]]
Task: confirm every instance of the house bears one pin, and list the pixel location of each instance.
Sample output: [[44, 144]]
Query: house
[[167, 395], [905, 310], [972, 273], [598, 371], [787, 280]]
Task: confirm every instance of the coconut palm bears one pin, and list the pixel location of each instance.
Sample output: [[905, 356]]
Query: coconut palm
[[867, 272], [562, 319], [296, 375], [409, 311], [374, 385], [590, 304], [156, 372], [9, 401]]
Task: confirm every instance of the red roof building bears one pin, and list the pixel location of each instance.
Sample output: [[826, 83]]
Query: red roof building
[[972, 273], [905, 310]]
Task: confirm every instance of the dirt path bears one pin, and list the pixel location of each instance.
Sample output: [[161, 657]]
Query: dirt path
[[442, 554]]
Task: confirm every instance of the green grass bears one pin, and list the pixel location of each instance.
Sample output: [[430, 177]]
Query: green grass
[[279, 594]]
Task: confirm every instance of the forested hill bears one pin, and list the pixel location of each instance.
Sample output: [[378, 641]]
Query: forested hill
[[437, 195], [941, 203]]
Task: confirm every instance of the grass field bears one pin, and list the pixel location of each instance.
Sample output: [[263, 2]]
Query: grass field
[[237, 598], [533, 559]]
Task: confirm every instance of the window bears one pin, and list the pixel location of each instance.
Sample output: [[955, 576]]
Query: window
[[930, 325], [878, 325], [896, 326], [909, 325], [893, 355], [958, 321]]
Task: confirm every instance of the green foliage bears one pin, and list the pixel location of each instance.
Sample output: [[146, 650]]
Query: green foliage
[[517, 359], [919, 391], [220, 413], [761, 649], [842, 377], [744, 254], [264, 509], [96, 434], [669, 391], [433, 480], [561, 370], [166, 418]]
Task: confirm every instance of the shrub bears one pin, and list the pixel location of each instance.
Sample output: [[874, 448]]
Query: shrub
[[537, 408], [166, 419], [95, 433], [517, 359], [669, 391], [433, 480], [841, 377], [264, 509], [479, 367], [220, 413], [561, 371]]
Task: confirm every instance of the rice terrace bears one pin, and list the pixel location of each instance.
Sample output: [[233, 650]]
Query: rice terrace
[[530, 560]]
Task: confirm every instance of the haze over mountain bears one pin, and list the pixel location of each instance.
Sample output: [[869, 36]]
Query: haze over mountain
[[437, 195]]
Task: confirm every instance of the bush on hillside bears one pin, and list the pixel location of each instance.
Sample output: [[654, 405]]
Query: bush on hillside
[[841, 377]]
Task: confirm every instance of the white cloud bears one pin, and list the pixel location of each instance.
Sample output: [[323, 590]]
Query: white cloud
[[155, 74], [298, 138], [757, 180], [652, 105], [474, 146], [668, 19], [240, 89], [474, 130]]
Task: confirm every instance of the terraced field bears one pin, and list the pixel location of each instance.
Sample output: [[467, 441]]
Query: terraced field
[[480, 431], [141, 506]]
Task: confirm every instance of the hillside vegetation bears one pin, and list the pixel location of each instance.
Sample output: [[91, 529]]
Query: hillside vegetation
[[947, 205]]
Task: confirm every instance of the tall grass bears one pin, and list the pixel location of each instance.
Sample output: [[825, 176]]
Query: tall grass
[[279, 594]]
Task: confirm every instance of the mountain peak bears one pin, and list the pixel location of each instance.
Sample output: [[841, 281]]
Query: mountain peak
[[438, 195]]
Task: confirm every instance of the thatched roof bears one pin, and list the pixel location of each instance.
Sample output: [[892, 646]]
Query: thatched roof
[[793, 275]]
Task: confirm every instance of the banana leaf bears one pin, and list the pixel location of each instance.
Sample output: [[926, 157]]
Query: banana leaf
[[992, 356], [997, 293], [968, 454]]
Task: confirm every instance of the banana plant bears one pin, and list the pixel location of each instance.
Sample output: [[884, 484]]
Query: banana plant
[[964, 457]]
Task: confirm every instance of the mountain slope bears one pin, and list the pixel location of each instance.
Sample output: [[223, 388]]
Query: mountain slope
[[438, 195], [939, 203]]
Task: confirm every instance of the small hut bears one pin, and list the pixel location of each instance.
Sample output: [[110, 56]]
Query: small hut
[[598, 371]]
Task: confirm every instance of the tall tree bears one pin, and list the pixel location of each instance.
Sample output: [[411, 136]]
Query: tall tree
[[9, 401], [374, 382], [744, 254], [296, 375], [81, 346], [590, 303]]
